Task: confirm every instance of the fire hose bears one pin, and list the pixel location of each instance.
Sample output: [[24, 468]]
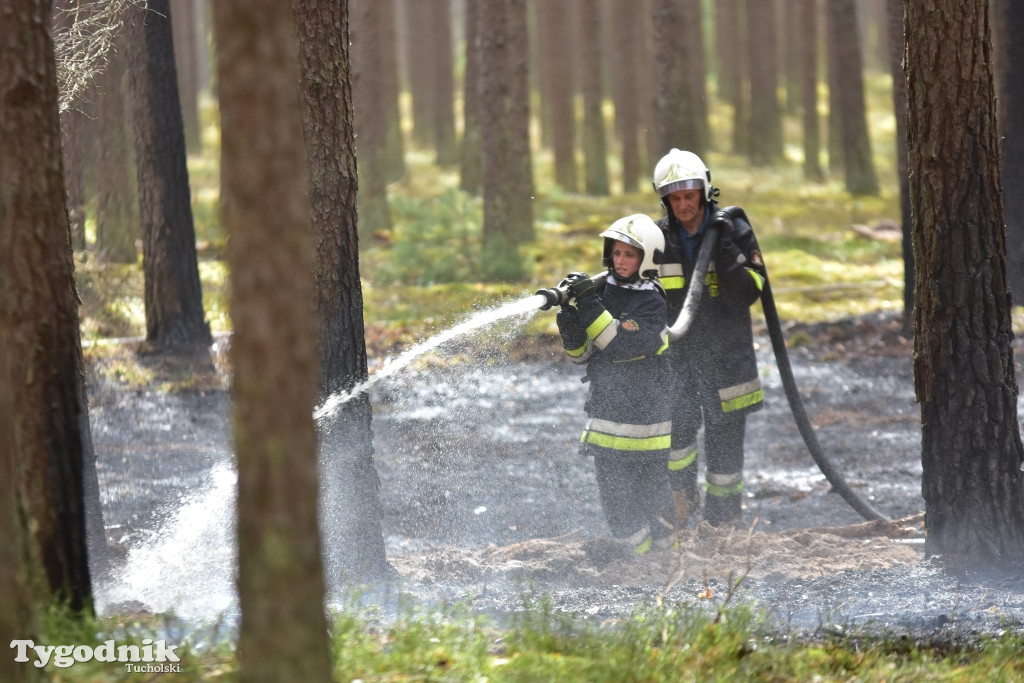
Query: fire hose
[[682, 324]]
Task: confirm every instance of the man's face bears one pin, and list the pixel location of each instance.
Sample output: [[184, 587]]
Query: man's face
[[687, 207]]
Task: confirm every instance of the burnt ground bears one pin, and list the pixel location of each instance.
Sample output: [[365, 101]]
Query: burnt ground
[[486, 499]]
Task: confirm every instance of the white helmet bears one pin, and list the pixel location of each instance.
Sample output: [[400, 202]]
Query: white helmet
[[679, 170], [641, 232]]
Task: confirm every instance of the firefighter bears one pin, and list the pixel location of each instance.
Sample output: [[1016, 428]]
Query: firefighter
[[617, 326], [714, 364]]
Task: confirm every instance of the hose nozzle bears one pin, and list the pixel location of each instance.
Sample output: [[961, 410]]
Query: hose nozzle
[[556, 296]]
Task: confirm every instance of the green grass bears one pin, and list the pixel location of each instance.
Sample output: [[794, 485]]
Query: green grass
[[667, 642]]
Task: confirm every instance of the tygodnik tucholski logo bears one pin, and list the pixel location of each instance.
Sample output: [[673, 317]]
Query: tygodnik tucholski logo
[[151, 657]]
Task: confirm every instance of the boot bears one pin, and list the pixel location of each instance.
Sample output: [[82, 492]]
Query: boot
[[721, 511], [687, 506]]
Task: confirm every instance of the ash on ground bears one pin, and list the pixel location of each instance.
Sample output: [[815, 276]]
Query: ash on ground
[[487, 500]]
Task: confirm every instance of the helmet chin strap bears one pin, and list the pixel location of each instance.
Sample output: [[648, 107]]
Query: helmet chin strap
[[635, 277]]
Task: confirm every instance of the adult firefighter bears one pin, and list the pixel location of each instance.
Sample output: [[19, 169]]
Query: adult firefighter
[[617, 326], [715, 368]]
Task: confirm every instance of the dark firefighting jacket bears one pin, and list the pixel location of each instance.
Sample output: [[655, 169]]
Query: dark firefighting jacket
[[623, 339], [719, 344]]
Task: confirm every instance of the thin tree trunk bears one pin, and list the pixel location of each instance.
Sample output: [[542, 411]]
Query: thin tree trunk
[[173, 294], [184, 32], [595, 141], [470, 150], [556, 56], [117, 215], [852, 108], [808, 36], [1007, 24], [443, 80], [625, 90], [504, 130], [765, 110], [899, 97], [371, 135]]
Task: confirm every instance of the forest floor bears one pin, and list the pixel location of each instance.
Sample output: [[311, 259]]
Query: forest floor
[[485, 497]]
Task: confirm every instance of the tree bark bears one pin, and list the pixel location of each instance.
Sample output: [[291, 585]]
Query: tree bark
[[595, 141], [388, 72], [356, 544], [971, 450], [727, 49], [470, 151], [899, 97], [420, 71], [17, 618], [504, 129], [173, 294], [678, 67], [1008, 22], [117, 202], [808, 38], [443, 83], [370, 125], [184, 31], [852, 109], [625, 91], [556, 56], [49, 422], [765, 110], [283, 628]]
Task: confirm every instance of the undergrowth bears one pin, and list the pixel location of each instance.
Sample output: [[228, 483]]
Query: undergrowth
[[456, 642]]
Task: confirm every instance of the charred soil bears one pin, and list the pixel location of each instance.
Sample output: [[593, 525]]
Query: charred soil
[[486, 498]]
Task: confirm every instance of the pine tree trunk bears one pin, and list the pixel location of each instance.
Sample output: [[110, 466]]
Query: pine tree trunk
[[470, 151], [443, 83], [808, 37], [351, 483], [899, 97], [504, 130], [556, 56], [283, 628], [963, 357], [1008, 22], [852, 108], [765, 110], [595, 141], [625, 91], [173, 294], [368, 98], [676, 112], [49, 419], [117, 216]]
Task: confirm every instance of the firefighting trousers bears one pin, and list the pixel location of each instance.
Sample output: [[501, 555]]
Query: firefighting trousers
[[634, 493], [723, 455]]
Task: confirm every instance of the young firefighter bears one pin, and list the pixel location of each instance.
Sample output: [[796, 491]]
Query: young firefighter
[[617, 326]]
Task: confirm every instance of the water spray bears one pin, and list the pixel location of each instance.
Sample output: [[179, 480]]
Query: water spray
[[679, 328]]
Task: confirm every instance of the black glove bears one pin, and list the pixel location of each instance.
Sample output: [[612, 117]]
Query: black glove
[[580, 286], [729, 255], [723, 221], [574, 334]]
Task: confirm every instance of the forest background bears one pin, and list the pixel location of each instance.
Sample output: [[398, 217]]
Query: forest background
[[831, 253], [430, 250]]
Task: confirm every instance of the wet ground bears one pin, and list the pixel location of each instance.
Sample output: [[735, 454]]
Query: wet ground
[[486, 498]]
